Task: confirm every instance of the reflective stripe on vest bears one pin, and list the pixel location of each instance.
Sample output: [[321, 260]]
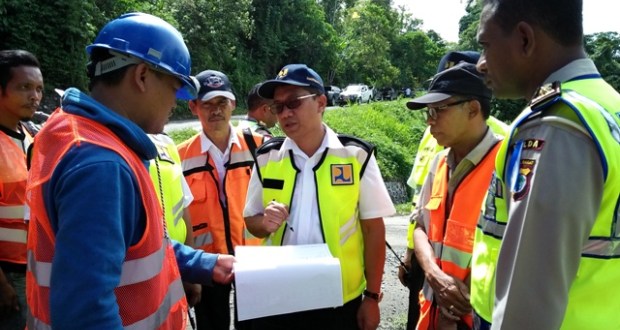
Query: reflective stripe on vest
[[149, 266], [338, 207], [451, 231], [13, 235], [13, 175], [15, 212], [592, 101], [218, 227]]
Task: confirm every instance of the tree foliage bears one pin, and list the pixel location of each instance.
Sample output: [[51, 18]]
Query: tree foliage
[[346, 41]]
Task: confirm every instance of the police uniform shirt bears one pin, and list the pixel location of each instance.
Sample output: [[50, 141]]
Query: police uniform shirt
[[550, 216], [374, 200]]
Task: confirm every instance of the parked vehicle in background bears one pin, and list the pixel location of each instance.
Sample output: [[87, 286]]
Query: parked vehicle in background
[[357, 93], [332, 93], [386, 94]]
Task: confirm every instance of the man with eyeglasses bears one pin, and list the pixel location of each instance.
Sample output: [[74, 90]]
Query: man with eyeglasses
[[457, 106], [313, 187], [99, 254], [217, 163]]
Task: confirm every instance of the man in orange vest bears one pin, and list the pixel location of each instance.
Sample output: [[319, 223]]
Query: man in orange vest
[[21, 90], [217, 164], [457, 106], [99, 254]]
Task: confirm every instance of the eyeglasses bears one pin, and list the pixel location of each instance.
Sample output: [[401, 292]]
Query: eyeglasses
[[433, 112], [277, 108], [215, 106]]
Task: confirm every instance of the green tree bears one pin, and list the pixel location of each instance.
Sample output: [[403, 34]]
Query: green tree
[[417, 56], [604, 49], [369, 32], [56, 32]]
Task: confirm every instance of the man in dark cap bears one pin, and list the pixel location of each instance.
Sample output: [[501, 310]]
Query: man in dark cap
[[315, 187], [457, 106], [412, 275], [216, 164]]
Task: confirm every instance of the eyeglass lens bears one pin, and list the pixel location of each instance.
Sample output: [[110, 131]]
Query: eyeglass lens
[[278, 108]]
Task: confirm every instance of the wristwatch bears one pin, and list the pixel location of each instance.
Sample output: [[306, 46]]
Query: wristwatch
[[373, 295]]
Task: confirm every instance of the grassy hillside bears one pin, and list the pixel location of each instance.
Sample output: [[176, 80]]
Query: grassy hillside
[[390, 126]]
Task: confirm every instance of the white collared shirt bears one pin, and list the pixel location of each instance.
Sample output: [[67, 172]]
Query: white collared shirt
[[220, 159], [374, 200]]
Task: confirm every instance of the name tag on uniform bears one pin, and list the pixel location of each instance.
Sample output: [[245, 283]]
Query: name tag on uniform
[[273, 183]]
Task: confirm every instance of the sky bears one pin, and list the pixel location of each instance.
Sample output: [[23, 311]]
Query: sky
[[443, 15]]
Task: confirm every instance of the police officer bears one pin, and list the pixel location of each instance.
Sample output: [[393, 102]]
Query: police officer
[[547, 238]]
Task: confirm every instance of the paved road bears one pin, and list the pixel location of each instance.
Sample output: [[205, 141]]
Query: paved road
[[195, 124], [394, 304]]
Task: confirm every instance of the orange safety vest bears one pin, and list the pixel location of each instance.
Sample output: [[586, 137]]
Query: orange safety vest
[[13, 175], [453, 239], [149, 270], [218, 227]]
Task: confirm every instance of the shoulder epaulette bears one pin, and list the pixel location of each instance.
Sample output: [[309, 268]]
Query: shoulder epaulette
[[272, 144], [348, 140], [545, 94]]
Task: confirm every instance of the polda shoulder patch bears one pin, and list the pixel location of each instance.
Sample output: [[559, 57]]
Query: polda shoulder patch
[[533, 144]]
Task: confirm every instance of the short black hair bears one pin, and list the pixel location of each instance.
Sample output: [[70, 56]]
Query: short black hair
[[109, 78], [254, 100], [561, 19], [13, 58]]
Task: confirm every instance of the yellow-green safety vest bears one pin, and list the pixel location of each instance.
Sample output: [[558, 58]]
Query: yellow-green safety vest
[[599, 268], [337, 177], [170, 176]]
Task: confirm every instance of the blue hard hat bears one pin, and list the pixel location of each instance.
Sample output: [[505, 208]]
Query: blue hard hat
[[152, 40]]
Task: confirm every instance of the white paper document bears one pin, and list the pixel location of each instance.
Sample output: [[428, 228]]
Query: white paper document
[[272, 280]]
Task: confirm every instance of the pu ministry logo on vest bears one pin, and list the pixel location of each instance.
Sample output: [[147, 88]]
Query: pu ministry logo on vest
[[342, 174]]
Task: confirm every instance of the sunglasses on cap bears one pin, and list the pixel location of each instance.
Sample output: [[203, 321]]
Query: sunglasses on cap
[[277, 107]]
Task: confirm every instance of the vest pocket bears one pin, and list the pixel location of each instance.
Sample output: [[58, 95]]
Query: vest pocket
[[460, 235]]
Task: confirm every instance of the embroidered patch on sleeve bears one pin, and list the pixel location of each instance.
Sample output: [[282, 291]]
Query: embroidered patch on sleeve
[[342, 174], [526, 169], [533, 144]]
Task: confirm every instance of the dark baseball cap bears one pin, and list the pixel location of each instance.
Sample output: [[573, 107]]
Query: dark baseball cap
[[453, 58], [461, 79], [212, 84], [292, 74]]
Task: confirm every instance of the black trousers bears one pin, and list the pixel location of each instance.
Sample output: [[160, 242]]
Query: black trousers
[[341, 318], [415, 280], [213, 311]]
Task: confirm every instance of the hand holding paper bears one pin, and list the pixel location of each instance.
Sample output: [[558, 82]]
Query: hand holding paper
[[223, 271]]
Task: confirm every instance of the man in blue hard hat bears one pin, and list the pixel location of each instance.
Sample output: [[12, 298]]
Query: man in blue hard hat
[[99, 252]]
